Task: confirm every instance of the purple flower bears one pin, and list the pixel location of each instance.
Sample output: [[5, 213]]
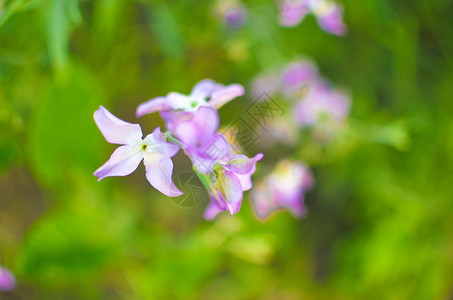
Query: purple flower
[[321, 104], [331, 20], [298, 75], [193, 121], [198, 134], [285, 187], [293, 12], [7, 280], [204, 93], [233, 13], [290, 81], [231, 180], [153, 150], [329, 14]]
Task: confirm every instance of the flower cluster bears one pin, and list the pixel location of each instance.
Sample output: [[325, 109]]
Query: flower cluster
[[315, 105], [7, 280], [192, 123], [329, 14], [316, 102]]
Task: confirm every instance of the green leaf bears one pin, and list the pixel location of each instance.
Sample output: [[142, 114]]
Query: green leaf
[[167, 29], [62, 133], [71, 243], [62, 16]]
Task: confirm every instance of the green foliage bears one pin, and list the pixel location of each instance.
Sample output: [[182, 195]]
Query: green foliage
[[62, 133], [379, 218]]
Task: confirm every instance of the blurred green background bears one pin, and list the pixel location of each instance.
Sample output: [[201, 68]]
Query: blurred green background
[[380, 220]]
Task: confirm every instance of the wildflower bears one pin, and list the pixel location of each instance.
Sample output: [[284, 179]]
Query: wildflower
[[193, 121], [321, 104], [285, 187], [153, 150], [7, 280], [331, 19], [297, 76], [329, 14], [231, 180], [204, 93], [293, 12]]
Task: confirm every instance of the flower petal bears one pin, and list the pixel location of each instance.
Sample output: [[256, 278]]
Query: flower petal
[[293, 12], [153, 105], [244, 167], [173, 117], [124, 161], [226, 94], [202, 163], [332, 20], [339, 105], [204, 88], [241, 164], [218, 149], [155, 143], [306, 111], [205, 158], [291, 198], [180, 101], [261, 201], [200, 129], [211, 211], [117, 131], [298, 75], [7, 280], [159, 171], [230, 187]]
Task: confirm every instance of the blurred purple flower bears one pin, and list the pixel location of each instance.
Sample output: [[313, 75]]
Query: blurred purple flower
[[232, 179], [329, 14], [321, 104], [293, 12], [290, 81], [298, 75], [285, 187], [204, 93], [7, 280], [331, 20], [153, 150], [233, 13]]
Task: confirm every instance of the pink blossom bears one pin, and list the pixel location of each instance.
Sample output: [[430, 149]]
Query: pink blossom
[[193, 121], [204, 93], [153, 150], [329, 14], [297, 76], [322, 104], [290, 81], [231, 180], [285, 187], [7, 280]]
